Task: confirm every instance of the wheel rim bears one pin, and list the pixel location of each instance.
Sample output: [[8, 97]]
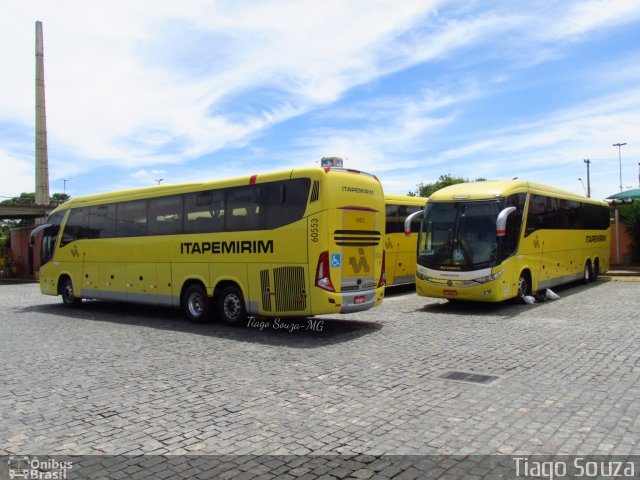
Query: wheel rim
[[67, 292], [195, 304], [232, 306], [523, 286]]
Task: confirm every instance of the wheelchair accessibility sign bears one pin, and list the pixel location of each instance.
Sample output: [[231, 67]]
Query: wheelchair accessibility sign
[[336, 260]]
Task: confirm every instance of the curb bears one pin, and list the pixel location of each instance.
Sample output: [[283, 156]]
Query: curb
[[623, 278]]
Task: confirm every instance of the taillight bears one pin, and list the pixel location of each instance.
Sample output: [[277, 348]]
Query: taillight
[[383, 273], [323, 276]]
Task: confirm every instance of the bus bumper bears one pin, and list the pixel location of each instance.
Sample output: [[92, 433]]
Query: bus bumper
[[494, 291], [350, 302]]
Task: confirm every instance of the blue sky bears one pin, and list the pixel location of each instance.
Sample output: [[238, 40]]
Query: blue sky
[[201, 90]]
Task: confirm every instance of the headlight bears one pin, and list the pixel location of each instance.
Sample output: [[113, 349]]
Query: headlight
[[489, 278]]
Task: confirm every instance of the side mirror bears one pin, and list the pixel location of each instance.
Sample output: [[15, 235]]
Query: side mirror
[[501, 222], [409, 219], [35, 231]]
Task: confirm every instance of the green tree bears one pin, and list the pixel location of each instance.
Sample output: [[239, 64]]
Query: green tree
[[23, 199], [59, 198], [30, 199], [426, 190], [631, 216]]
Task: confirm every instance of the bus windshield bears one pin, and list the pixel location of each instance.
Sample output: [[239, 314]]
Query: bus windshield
[[459, 233]]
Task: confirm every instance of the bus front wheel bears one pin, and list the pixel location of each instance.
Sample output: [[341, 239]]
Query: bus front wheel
[[524, 285], [231, 307], [596, 270], [195, 303], [66, 290], [587, 273]]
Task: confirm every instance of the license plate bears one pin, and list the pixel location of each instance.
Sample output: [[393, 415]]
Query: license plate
[[451, 293], [359, 299]]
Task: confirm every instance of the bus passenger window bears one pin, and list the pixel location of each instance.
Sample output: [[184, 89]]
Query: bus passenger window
[[243, 208], [132, 218], [165, 215], [102, 221], [286, 201], [204, 212]]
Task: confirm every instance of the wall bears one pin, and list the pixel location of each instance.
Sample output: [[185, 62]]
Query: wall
[[625, 245], [24, 263]]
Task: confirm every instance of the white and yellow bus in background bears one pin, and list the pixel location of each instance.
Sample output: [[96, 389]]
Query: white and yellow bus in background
[[295, 243], [400, 249], [490, 241]]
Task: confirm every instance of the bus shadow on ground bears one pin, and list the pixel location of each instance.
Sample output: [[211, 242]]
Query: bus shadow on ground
[[507, 309], [294, 332]]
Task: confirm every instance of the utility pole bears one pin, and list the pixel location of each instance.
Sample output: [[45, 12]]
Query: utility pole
[[588, 162]]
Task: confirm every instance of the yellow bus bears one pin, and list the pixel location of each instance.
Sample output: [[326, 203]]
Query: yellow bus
[[400, 250], [294, 243], [491, 241]]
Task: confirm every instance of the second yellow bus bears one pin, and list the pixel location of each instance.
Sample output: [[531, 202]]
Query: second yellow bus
[[400, 250], [491, 241]]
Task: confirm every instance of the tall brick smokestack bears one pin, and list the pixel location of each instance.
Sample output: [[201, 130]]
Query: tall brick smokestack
[[42, 160]]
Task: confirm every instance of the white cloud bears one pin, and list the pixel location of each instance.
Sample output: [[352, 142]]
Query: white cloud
[[18, 174]]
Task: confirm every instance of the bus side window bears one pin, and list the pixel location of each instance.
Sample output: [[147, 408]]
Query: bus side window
[[132, 218], [102, 221], [204, 212], [165, 215], [50, 236], [535, 215], [514, 223], [243, 208], [285, 201], [77, 227]]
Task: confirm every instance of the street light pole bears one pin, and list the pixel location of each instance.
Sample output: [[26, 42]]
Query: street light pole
[[585, 190], [588, 162], [619, 160]]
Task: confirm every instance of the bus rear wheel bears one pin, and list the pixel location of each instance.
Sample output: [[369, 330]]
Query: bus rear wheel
[[231, 307], [195, 303], [66, 290]]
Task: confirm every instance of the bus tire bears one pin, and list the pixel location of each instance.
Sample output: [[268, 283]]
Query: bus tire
[[231, 308], [195, 303], [66, 290], [524, 284], [596, 270], [587, 273]]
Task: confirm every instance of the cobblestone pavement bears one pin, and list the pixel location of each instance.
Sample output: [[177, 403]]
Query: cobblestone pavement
[[120, 379]]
